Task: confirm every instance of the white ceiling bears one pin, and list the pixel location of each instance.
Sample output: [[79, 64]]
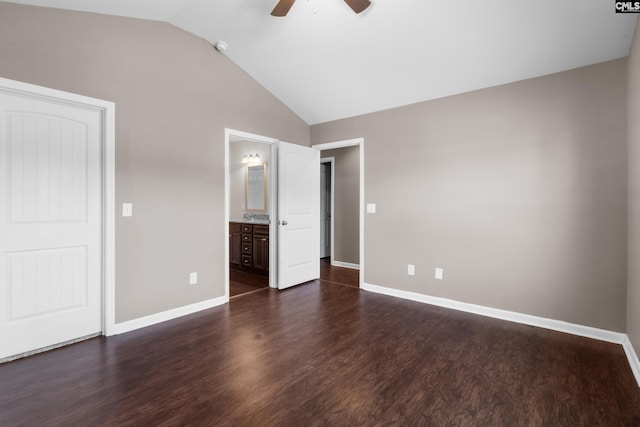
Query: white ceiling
[[327, 63]]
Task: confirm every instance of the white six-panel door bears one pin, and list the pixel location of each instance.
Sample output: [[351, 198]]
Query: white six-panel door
[[298, 213], [50, 223]]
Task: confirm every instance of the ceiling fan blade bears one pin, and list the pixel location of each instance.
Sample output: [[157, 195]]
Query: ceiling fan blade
[[358, 5], [282, 8]]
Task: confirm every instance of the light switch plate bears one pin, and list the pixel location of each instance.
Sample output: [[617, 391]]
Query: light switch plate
[[193, 278], [411, 270], [439, 273], [371, 208], [127, 209]]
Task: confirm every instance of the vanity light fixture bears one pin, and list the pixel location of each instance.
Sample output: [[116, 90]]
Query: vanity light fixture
[[251, 158]]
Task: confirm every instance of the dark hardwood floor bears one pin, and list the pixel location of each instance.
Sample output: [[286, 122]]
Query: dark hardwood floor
[[241, 282], [339, 275], [325, 354]]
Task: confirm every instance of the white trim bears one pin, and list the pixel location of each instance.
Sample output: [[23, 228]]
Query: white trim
[[338, 144], [361, 275], [109, 220], [332, 225], [229, 135], [107, 110], [345, 264], [351, 143], [632, 356], [163, 316], [273, 216], [227, 195], [35, 91], [511, 316]]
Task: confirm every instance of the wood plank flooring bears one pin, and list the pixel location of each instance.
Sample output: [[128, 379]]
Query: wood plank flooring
[[338, 275], [241, 282], [325, 354]]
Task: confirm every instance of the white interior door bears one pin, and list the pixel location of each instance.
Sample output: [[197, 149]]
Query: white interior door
[[50, 223], [325, 210], [298, 208]]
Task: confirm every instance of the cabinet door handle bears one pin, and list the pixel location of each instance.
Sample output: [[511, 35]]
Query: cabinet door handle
[[264, 240]]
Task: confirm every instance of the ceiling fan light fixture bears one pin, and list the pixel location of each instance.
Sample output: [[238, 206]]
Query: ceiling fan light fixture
[[358, 6], [283, 6]]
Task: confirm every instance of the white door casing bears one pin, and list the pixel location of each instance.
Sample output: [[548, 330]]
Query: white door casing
[[298, 214], [50, 222]]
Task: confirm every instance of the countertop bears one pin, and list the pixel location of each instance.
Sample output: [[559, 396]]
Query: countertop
[[251, 221]]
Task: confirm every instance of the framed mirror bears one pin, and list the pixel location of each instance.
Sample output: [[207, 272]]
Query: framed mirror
[[256, 188]]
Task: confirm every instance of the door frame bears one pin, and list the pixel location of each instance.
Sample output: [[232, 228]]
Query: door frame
[[342, 144], [332, 162], [107, 151], [272, 195]]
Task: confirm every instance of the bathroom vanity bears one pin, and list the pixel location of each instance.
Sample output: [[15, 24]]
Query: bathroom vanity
[[249, 246]]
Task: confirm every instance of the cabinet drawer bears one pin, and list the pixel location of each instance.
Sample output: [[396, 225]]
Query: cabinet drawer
[[247, 261], [246, 249], [261, 229], [246, 238], [247, 228], [235, 227]]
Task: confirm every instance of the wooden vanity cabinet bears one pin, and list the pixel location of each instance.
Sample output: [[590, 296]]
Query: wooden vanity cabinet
[[249, 247], [261, 247], [247, 240], [235, 242]]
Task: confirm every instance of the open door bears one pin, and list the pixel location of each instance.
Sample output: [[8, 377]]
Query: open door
[[298, 220]]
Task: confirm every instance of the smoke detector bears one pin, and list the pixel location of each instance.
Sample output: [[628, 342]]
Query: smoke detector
[[220, 46]]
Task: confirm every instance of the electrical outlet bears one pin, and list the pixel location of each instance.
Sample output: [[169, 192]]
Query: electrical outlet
[[193, 278], [127, 209], [371, 208], [411, 270], [439, 273]]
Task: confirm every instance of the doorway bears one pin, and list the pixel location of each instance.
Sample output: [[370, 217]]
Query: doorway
[[250, 206], [294, 226], [326, 206], [347, 208], [294, 210]]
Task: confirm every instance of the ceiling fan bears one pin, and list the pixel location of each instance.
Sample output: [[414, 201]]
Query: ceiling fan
[[283, 6]]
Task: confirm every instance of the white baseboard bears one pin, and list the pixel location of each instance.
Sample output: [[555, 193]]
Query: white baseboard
[[345, 265], [131, 325], [511, 316], [632, 356]]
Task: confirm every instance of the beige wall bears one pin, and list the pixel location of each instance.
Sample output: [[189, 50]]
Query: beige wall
[[633, 114], [237, 150], [347, 203], [174, 96], [517, 191]]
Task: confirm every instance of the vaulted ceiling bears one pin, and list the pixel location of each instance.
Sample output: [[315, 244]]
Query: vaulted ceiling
[[327, 63]]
